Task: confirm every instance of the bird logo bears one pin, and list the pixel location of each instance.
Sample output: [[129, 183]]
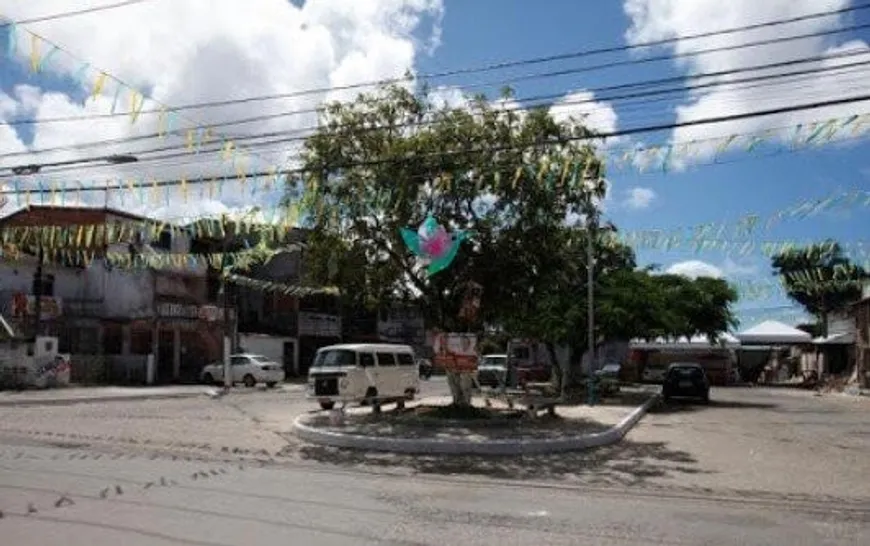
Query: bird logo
[[433, 244]]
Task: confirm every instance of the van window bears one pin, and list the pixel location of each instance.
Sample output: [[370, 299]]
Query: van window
[[521, 353], [338, 357], [386, 359], [406, 359], [366, 360]]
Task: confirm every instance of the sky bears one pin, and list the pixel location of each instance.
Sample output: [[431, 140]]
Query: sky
[[161, 54]]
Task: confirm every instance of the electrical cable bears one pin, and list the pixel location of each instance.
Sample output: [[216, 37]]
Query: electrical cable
[[534, 61], [540, 100], [495, 149], [277, 145], [67, 14]]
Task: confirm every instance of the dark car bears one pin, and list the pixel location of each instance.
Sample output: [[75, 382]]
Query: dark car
[[424, 365], [686, 380]]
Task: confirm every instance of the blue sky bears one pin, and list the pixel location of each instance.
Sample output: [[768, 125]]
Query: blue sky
[[230, 54], [748, 183]]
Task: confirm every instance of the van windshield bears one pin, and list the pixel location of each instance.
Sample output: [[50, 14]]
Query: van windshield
[[335, 358]]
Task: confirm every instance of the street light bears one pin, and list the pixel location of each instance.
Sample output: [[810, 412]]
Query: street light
[[116, 159], [121, 159]]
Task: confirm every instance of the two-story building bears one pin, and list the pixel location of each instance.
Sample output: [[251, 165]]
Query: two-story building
[[112, 318], [861, 312]]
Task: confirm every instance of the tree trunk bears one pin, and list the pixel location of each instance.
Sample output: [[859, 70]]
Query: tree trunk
[[461, 388], [559, 376]]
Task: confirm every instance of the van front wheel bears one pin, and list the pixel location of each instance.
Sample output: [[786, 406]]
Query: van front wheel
[[327, 405]]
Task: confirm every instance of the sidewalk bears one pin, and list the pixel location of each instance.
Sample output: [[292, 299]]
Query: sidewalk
[[76, 395]]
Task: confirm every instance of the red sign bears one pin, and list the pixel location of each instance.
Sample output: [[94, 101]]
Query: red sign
[[455, 352]]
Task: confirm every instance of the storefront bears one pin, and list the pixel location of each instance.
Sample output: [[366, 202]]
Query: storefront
[[188, 337]]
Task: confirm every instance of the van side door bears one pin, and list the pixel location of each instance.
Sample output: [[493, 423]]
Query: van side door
[[368, 372], [409, 372], [389, 379]]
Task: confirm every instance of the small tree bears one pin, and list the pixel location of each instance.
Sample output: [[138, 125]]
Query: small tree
[[820, 278]]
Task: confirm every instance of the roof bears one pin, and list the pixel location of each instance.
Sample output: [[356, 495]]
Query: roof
[[847, 338], [19, 214], [367, 347], [685, 365], [696, 342], [772, 332]]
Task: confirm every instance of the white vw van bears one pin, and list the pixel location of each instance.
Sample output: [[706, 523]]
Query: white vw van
[[366, 373]]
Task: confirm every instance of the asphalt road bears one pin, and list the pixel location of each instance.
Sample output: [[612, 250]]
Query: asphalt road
[[54, 496], [755, 467]]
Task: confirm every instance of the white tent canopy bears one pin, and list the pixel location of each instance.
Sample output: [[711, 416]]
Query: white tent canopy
[[773, 332], [725, 340]]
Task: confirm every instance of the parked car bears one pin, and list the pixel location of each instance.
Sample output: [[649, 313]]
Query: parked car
[[425, 368], [610, 370], [246, 368], [686, 380], [653, 374], [492, 370]]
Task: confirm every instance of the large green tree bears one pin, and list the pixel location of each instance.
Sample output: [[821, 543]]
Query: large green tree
[[388, 159], [820, 277]]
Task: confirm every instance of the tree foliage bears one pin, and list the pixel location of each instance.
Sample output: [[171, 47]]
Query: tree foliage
[[820, 278], [388, 159]]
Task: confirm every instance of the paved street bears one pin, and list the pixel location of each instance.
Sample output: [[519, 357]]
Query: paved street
[[756, 467], [51, 496]]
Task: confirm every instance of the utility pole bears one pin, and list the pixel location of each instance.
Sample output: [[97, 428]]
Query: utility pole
[[225, 301], [590, 294], [37, 291]]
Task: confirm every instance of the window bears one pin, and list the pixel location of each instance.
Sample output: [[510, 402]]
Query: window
[[522, 353], [366, 360], [406, 359], [386, 359], [164, 241], [336, 358], [46, 287], [238, 361]]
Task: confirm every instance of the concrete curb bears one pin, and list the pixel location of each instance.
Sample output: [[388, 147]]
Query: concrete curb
[[95, 399], [24, 403], [427, 446]]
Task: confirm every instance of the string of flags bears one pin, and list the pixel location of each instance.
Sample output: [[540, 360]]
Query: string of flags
[[42, 55]]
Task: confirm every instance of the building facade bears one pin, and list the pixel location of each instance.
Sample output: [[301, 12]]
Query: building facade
[[861, 312], [113, 319]]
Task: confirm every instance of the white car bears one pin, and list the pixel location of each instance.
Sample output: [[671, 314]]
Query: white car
[[246, 368]]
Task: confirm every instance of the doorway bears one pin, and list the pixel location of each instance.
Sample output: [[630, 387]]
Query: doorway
[[289, 359], [165, 357]]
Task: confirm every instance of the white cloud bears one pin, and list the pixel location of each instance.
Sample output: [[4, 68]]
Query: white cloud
[[206, 50], [694, 269], [728, 269], [639, 198], [582, 107], [673, 19]]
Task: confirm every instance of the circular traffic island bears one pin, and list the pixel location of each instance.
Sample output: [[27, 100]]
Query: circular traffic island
[[437, 427]]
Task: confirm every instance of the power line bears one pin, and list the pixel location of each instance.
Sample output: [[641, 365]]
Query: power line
[[536, 61], [66, 14], [418, 157], [539, 100]]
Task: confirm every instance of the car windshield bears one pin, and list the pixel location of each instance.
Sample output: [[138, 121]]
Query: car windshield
[[493, 361], [335, 358], [686, 371], [260, 359]]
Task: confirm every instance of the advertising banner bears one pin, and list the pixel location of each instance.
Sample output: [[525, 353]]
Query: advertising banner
[[455, 352]]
